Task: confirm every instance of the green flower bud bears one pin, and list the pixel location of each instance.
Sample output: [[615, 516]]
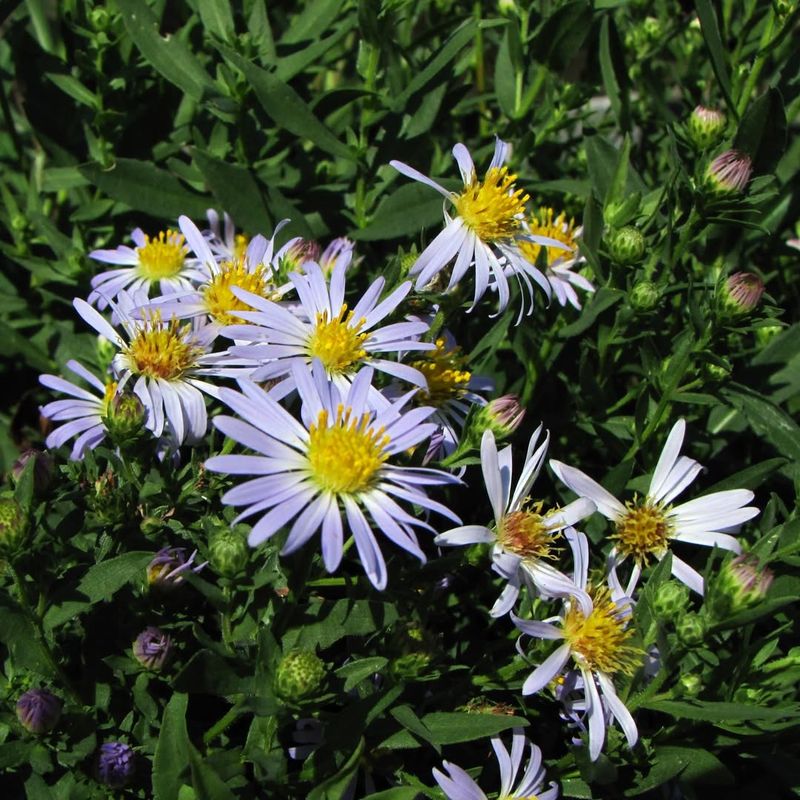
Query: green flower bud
[[644, 296], [742, 583], [691, 629], [672, 599], [626, 245], [125, 419], [765, 334], [706, 127], [13, 526], [410, 666], [502, 416], [690, 685], [299, 675], [99, 18], [228, 553]]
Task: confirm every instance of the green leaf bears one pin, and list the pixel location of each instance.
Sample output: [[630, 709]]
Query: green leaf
[[144, 187], [312, 21], [334, 787], [613, 74], [423, 118], [714, 711], [505, 78], [103, 580], [749, 477], [286, 108], [236, 191], [167, 55], [398, 793], [762, 131], [171, 759], [603, 299], [206, 782], [356, 671], [713, 40], [217, 17], [24, 490], [290, 65], [412, 723], [14, 343], [18, 634], [74, 88], [403, 213], [562, 34], [454, 727]]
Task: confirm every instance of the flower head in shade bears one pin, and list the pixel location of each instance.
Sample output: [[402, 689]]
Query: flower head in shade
[[597, 639], [38, 710], [644, 529], [152, 648], [525, 537], [325, 328], [485, 230], [331, 470], [116, 764], [84, 413], [457, 784], [167, 362], [730, 172], [560, 262], [162, 259], [168, 566]]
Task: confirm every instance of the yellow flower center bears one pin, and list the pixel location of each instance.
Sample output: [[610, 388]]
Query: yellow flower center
[[162, 256], [221, 302], [644, 530], [337, 342], [240, 242], [345, 457], [599, 642], [162, 350], [543, 224], [493, 208], [525, 533], [443, 370]]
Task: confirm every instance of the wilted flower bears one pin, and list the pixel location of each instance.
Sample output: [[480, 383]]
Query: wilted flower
[[741, 293], [38, 710], [166, 570], [730, 172], [299, 675], [706, 127], [152, 648], [116, 764]]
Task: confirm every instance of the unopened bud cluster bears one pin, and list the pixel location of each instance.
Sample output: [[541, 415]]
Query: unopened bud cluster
[[299, 675]]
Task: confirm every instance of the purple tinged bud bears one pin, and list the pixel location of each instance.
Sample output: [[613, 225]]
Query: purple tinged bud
[[166, 570], [339, 251], [152, 648], [706, 127], [502, 416], [116, 764], [38, 710], [730, 172], [750, 579], [741, 293]]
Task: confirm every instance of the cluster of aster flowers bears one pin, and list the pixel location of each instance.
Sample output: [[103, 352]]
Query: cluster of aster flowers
[[341, 402]]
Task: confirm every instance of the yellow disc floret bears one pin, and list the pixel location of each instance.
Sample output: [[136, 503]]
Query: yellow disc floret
[[545, 223], [526, 533], [337, 342], [642, 531], [492, 208], [162, 256], [221, 303], [599, 641], [162, 349], [443, 369], [345, 457]]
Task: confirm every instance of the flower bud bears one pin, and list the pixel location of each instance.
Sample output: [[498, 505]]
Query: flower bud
[[13, 526], [729, 173], [691, 629], [644, 296], [116, 764], [42, 468], [125, 418], [228, 553], [338, 252], [410, 666], [671, 600], [626, 245], [740, 293], [295, 253], [766, 333], [299, 675], [502, 416], [165, 572], [690, 684], [152, 648], [38, 711], [741, 584], [706, 127]]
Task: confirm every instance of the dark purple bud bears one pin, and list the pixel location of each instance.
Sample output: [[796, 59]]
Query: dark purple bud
[[152, 648], [42, 468], [116, 764], [38, 710]]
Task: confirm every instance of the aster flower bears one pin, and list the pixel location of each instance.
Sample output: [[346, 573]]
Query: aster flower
[[325, 328], [559, 262], [597, 639], [225, 243], [525, 536], [645, 528], [166, 570], [339, 251], [457, 784], [116, 764], [329, 470], [152, 648], [485, 232], [163, 259], [85, 411], [167, 362]]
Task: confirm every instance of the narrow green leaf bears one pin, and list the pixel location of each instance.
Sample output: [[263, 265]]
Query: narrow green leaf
[[505, 78], [356, 671], [312, 21], [454, 727], [74, 88], [217, 17], [206, 782], [261, 32], [103, 580], [405, 212], [762, 131], [713, 711], [290, 65], [18, 634], [145, 187], [335, 786], [167, 55], [607, 70], [14, 343], [411, 722], [601, 300], [710, 29], [236, 191]]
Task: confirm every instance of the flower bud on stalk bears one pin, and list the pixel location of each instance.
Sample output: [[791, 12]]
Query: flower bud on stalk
[[299, 675], [741, 584], [729, 173], [116, 764], [38, 711], [13, 526], [502, 416], [125, 419], [228, 553], [671, 600], [626, 245], [690, 685], [740, 293], [691, 629], [152, 648], [644, 296], [706, 127]]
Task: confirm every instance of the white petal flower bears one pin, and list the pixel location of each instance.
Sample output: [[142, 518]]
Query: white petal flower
[[645, 528], [524, 535]]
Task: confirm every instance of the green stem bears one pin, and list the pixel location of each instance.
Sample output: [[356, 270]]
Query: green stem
[[222, 724], [755, 71], [227, 632]]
